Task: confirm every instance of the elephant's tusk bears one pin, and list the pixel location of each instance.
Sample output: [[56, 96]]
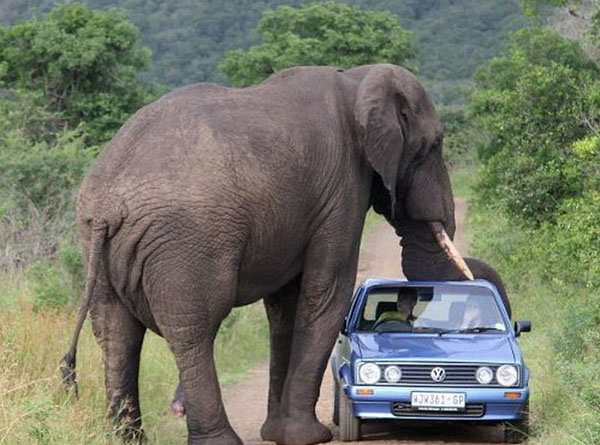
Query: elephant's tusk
[[448, 246]]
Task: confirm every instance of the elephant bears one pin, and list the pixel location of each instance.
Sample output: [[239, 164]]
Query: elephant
[[214, 197]]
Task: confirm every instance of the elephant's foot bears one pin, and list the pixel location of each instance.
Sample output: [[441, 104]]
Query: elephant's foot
[[295, 431], [126, 421], [227, 437], [268, 430]]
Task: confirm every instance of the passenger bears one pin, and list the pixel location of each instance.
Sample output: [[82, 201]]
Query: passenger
[[473, 316]]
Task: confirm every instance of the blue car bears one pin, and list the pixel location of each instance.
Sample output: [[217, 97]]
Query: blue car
[[430, 351]]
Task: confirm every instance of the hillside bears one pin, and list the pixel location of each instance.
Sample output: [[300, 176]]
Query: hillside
[[189, 38]]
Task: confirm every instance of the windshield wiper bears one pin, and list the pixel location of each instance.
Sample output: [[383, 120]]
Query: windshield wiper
[[474, 330]]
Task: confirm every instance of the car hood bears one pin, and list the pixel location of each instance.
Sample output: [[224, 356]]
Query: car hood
[[464, 348]]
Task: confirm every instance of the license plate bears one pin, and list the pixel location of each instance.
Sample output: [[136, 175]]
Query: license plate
[[438, 401]]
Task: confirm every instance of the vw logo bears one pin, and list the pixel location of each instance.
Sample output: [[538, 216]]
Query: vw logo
[[438, 374]]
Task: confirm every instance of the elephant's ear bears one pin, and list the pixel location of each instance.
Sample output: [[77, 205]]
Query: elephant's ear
[[380, 112]]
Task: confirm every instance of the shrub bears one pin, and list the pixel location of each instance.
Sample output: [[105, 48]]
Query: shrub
[[48, 286], [42, 174]]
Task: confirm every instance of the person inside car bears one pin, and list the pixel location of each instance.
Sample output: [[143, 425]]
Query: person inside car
[[472, 317], [402, 317]]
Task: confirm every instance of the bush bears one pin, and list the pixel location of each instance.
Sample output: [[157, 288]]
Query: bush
[[72, 261], [57, 282], [48, 286], [461, 137], [41, 174]]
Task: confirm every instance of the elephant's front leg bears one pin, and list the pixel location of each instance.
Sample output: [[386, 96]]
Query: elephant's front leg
[[327, 283], [120, 335], [281, 312]]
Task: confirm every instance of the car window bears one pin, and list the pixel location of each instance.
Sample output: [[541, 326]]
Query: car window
[[432, 309]]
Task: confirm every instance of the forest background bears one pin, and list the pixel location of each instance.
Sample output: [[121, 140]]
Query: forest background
[[519, 100]]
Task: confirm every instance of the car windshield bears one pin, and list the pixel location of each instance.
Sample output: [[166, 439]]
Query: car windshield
[[431, 309]]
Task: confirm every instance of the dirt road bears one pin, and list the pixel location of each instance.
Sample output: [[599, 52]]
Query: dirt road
[[246, 401]]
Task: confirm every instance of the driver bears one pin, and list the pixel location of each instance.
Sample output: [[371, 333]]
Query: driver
[[407, 299]]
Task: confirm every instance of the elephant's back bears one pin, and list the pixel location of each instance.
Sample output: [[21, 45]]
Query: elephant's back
[[204, 137]]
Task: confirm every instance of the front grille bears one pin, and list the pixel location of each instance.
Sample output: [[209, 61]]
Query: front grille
[[455, 375], [420, 374], [404, 409]]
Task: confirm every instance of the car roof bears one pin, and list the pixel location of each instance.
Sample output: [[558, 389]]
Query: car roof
[[376, 282]]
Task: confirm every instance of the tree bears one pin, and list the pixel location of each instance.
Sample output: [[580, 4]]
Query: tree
[[81, 66], [319, 34]]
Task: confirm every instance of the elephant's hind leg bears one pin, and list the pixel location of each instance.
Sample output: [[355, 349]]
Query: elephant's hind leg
[[281, 312], [188, 308], [120, 335]]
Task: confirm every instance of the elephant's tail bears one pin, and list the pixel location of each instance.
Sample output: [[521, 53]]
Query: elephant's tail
[[68, 363]]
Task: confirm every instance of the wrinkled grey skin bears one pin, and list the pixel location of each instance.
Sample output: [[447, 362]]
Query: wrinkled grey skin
[[211, 198]]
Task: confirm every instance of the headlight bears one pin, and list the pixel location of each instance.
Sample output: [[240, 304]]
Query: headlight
[[392, 374], [484, 375], [369, 373], [507, 375]]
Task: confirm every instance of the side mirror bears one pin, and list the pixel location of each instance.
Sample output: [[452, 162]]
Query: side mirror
[[522, 326]]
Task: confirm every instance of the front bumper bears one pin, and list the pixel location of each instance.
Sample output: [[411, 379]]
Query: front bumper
[[493, 404]]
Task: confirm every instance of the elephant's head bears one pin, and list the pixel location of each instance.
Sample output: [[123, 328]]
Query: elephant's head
[[402, 141]]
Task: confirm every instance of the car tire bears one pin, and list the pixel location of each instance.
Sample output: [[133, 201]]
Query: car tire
[[348, 423], [336, 403], [517, 431]]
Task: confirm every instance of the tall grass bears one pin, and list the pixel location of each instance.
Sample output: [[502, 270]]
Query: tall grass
[[35, 410]]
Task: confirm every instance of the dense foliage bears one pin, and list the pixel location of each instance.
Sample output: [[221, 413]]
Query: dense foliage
[[319, 34], [189, 39]]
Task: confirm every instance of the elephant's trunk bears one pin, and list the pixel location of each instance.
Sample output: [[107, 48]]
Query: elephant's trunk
[[429, 254], [448, 246]]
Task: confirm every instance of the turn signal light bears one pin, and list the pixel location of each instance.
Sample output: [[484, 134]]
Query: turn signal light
[[512, 395], [365, 392]]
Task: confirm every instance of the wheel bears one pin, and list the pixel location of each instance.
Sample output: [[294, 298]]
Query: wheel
[[517, 431], [336, 403], [349, 424]]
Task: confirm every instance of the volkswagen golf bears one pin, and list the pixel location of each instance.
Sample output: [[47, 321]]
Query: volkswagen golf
[[430, 351]]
